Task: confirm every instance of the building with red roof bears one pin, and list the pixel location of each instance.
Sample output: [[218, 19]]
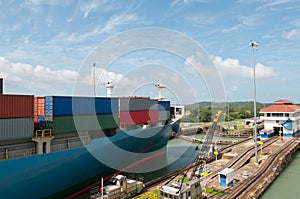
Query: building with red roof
[[281, 117]]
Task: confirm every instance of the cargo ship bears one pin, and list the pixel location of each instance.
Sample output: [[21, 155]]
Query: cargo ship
[[51, 143]]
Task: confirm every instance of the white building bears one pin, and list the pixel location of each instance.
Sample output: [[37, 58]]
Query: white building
[[281, 117]]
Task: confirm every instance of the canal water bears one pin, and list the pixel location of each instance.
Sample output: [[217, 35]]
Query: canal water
[[180, 153], [286, 184]]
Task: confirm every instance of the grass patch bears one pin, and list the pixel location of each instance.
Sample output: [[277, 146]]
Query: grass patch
[[185, 180], [149, 195], [214, 191]]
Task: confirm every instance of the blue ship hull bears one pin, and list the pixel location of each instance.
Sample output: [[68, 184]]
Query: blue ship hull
[[176, 126], [43, 175]]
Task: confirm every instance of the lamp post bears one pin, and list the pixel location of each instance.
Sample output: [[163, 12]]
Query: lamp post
[[254, 44], [94, 79], [216, 154], [228, 113]]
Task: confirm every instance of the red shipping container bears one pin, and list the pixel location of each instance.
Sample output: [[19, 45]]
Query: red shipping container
[[39, 106], [16, 106], [138, 117]]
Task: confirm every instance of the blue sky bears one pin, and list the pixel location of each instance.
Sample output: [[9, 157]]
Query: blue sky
[[46, 44]]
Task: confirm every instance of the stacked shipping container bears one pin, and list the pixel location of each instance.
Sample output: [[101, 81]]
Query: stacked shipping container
[[72, 114], [16, 116], [18, 113], [138, 111], [39, 113]]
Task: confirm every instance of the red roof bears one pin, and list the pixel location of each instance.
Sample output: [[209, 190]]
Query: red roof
[[281, 106], [283, 101]]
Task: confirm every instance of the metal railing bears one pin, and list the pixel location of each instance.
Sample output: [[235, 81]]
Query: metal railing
[[43, 133], [69, 145], [8, 153], [17, 153]]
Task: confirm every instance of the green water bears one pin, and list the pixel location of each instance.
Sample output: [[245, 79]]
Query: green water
[[286, 184], [180, 153]]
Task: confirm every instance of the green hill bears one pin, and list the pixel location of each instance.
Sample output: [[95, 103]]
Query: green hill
[[202, 111]]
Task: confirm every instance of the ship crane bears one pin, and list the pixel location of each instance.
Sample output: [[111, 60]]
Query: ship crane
[[192, 189]]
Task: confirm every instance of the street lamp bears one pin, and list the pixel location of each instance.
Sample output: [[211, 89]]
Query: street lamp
[[254, 44], [228, 114], [94, 79]]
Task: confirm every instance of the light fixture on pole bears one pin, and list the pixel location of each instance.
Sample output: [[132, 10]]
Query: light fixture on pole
[[254, 44]]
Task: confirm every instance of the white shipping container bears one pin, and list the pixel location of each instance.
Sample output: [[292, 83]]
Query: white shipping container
[[16, 128]]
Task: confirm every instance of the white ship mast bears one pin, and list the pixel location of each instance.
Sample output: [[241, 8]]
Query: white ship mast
[[109, 88], [160, 87]]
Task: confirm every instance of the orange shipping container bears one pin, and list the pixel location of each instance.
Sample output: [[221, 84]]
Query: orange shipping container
[[39, 106]]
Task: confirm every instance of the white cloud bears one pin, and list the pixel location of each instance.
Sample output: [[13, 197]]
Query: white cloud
[[41, 79], [292, 34], [115, 21], [35, 2], [182, 2], [245, 21], [65, 37], [196, 63], [279, 2], [39, 74], [102, 76], [200, 20], [89, 7], [175, 2], [296, 22], [232, 28], [112, 23], [86, 8], [15, 27], [232, 68]]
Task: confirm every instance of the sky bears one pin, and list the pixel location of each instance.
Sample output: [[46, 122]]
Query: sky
[[197, 48]]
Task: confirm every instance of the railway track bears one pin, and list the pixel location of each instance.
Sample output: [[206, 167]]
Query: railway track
[[242, 190], [241, 159], [154, 183], [228, 148]]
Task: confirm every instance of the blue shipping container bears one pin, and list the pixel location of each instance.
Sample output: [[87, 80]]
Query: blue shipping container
[[163, 105], [41, 118], [48, 105], [64, 106]]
